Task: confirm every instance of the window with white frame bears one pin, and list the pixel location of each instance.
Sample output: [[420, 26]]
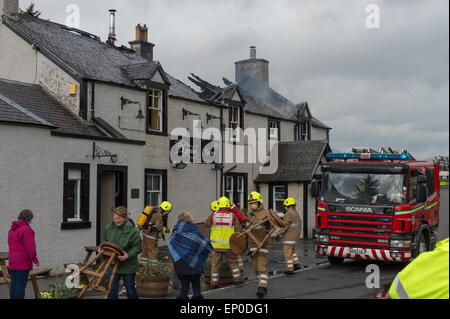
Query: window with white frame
[[154, 190], [274, 127], [229, 188], [235, 119], [74, 195], [239, 201], [155, 106], [279, 195]]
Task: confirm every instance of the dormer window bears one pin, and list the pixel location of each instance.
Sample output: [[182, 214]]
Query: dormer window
[[155, 110], [235, 120], [274, 129], [303, 131]]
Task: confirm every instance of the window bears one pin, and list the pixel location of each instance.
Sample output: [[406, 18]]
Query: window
[[76, 196], [155, 187], [155, 106], [274, 130], [236, 188], [279, 195], [73, 196], [154, 190], [235, 118], [302, 131], [430, 181]]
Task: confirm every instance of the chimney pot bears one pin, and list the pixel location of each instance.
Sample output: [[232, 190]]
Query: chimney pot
[[9, 7], [252, 52]]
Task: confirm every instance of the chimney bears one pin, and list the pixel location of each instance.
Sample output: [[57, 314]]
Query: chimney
[[257, 69], [141, 45], [252, 52], [112, 27], [9, 7]]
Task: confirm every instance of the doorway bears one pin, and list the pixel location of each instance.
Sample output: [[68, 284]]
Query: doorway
[[111, 193]]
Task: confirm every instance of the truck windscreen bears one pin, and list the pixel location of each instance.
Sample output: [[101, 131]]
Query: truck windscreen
[[364, 189]]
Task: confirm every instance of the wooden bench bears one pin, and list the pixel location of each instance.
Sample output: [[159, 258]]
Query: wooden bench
[[42, 273], [4, 277]]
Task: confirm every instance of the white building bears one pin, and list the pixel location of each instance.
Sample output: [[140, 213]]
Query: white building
[[85, 126]]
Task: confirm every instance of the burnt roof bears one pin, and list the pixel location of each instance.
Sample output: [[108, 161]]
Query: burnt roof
[[297, 161]]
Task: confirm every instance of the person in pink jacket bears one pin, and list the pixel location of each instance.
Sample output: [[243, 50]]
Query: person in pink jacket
[[22, 253]]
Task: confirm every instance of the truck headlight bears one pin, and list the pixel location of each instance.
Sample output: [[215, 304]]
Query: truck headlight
[[324, 238], [401, 243]]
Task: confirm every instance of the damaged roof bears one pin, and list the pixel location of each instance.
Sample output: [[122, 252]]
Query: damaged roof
[[297, 161]]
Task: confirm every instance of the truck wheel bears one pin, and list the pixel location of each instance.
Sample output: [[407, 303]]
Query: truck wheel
[[335, 260], [422, 243]]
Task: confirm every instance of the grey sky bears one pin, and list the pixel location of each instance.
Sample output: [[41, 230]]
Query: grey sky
[[374, 87]]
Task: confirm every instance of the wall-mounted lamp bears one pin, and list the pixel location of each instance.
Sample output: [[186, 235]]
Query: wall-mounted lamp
[[189, 113], [210, 117], [124, 101]]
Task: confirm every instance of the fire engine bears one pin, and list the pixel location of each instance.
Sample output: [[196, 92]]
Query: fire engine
[[376, 205]]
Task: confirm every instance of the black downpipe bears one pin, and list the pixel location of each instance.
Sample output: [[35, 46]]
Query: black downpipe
[[223, 149], [92, 100], [305, 210]]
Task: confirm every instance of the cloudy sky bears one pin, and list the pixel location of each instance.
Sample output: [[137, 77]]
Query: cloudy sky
[[386, 86]]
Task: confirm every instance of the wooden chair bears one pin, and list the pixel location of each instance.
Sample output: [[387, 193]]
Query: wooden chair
[[109, 253], [238, 241]]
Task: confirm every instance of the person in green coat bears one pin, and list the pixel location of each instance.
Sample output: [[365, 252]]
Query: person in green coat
[[121, 233]]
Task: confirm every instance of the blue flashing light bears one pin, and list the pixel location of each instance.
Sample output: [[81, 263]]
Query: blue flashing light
[[345, 156]]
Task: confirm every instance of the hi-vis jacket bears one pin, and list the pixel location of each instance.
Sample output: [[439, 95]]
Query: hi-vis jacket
[[292, 227], [424, 278], [222, 225]]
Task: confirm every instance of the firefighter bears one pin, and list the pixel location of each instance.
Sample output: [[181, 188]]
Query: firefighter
[[239, 227], [291, 234], [222, 224], [152, 229], [259, 260]]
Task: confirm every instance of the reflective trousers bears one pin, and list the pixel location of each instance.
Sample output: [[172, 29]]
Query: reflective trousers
[[259, 262], [149, 249], [290, 257], [216, 264]]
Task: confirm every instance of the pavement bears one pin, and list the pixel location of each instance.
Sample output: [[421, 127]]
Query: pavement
[[276, 265]]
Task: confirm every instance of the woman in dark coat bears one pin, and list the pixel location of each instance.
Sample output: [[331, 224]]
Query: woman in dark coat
[[189, 249]]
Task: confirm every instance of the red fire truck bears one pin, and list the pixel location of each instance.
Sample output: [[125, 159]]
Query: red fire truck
[[376, 206]]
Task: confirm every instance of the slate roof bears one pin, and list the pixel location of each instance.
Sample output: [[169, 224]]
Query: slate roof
[[85, 54], [29, 103], [297, 161]]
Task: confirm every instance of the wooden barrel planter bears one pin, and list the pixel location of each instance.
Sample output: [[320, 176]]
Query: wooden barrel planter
[[152, 286]]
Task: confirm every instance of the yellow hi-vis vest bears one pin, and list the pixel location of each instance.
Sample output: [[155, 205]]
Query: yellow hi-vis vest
[[424, 278], [222, 227]]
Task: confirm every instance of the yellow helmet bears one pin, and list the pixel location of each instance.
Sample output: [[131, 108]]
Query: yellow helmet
[[254, 197], [215, 206], [223, 202], [166, 206], [289, 202]]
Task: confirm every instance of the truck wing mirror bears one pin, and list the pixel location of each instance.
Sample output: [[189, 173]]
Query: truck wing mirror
[[421, 193], [421, 179]]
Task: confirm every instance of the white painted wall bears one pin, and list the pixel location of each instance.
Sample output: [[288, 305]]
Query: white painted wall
[[31, 175]]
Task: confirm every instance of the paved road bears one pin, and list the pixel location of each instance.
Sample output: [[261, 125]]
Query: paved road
[[325, 281]]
